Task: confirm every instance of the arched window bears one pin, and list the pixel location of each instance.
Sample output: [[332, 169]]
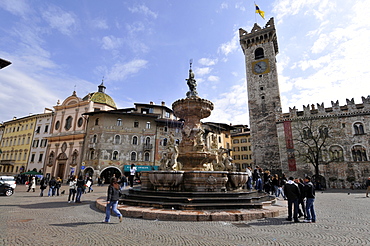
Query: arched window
[[359, 153], [92, 153], [68, 124], [307, 133], [119, 122], [133, 156], [358, 128], [117, 139], [164, 143], [336, 153], [115, 155], [146, 156], [147, 140], [94, 139], [258, 53], [134, 140]]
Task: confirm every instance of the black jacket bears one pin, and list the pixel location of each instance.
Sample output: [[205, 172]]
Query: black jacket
[[309, 190], [291, 191], [112, 194]]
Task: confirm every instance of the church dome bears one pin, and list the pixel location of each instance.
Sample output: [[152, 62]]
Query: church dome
[[100, 97]]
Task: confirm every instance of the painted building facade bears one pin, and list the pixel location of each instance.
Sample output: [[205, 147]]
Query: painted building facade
[[66, 141]]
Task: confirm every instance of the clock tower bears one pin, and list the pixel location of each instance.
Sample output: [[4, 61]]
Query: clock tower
[[260, 48]]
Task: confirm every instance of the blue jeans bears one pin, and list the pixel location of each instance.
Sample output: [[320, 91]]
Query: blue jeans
[[279, 190], [259, 184], [113, 205], [51, 191], [249, 183], [79, 194], [310, 210], [292, 203]]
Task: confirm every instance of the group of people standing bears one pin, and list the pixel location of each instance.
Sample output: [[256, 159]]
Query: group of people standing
[[300, 193]]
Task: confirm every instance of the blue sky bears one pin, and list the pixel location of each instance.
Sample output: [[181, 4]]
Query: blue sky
[[143, 48]]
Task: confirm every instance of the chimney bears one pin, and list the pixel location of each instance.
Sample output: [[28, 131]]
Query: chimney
[[151, 103], [163, 103]]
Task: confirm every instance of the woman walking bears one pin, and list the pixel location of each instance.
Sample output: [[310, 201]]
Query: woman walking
[[112, 200]]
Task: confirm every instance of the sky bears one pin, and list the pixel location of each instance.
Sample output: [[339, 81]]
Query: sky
[[142, 49]]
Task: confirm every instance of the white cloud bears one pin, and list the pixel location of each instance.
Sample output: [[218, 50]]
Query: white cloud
[[59, 19], [202, 71], [121, 70], [231, 46], [111, 42], [207, 61], [19, 7], [100, 23], [142, 9], [213, 78]]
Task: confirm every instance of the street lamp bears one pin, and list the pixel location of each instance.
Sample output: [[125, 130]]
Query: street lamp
[[4, 63]]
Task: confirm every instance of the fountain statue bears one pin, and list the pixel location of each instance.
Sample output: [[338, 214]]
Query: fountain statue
[[193, 174]]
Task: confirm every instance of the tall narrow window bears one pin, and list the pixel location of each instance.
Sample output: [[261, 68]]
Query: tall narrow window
[[133, 156], [115, 155], [146, 156], [148, 125], [117, 139], [134, 140], [97, 121], [94, 139], [119, 122]]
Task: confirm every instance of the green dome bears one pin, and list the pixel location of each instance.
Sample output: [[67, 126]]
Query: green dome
[[101, 97]]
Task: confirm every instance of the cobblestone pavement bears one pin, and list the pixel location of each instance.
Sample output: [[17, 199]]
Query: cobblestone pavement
[[27, 219]]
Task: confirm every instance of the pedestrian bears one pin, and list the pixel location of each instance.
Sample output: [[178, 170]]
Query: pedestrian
[[248, 170], [32, 185], [80, 188], [132, 175], [301, 202], [123, 182], [72, 188], [292, 193], [309, 193], [257, 178], [90, 183], [112, 200], [100, 182], [43, 185], [52, 184], [368, 187], [267, 181], [58, 185]]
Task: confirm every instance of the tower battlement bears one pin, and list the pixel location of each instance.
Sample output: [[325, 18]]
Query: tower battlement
[[259, 35], [310, 111]]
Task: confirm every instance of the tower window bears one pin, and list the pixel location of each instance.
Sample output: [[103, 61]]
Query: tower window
[[258, 53]]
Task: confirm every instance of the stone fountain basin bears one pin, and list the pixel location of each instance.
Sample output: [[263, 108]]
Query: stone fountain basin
[[165, 180]]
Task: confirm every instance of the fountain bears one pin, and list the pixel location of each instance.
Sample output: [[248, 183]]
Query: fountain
[[194, 176]]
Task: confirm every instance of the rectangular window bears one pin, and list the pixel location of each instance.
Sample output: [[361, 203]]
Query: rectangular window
[[46, 128], [32, 157], [136, 124], [38, 129], [40, 157], [148, 125]]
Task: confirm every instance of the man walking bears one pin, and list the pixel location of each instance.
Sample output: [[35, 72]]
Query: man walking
[[292, 192], [368, 187], [309, 191]]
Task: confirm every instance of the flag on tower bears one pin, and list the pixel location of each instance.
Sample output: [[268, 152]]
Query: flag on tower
[[260, 12]]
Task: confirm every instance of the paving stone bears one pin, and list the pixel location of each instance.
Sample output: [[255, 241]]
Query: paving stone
[[27, 219]]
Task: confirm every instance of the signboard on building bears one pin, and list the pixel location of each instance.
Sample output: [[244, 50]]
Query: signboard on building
[[140, 168]]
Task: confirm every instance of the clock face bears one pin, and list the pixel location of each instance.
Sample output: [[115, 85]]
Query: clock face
[[260, 67]]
